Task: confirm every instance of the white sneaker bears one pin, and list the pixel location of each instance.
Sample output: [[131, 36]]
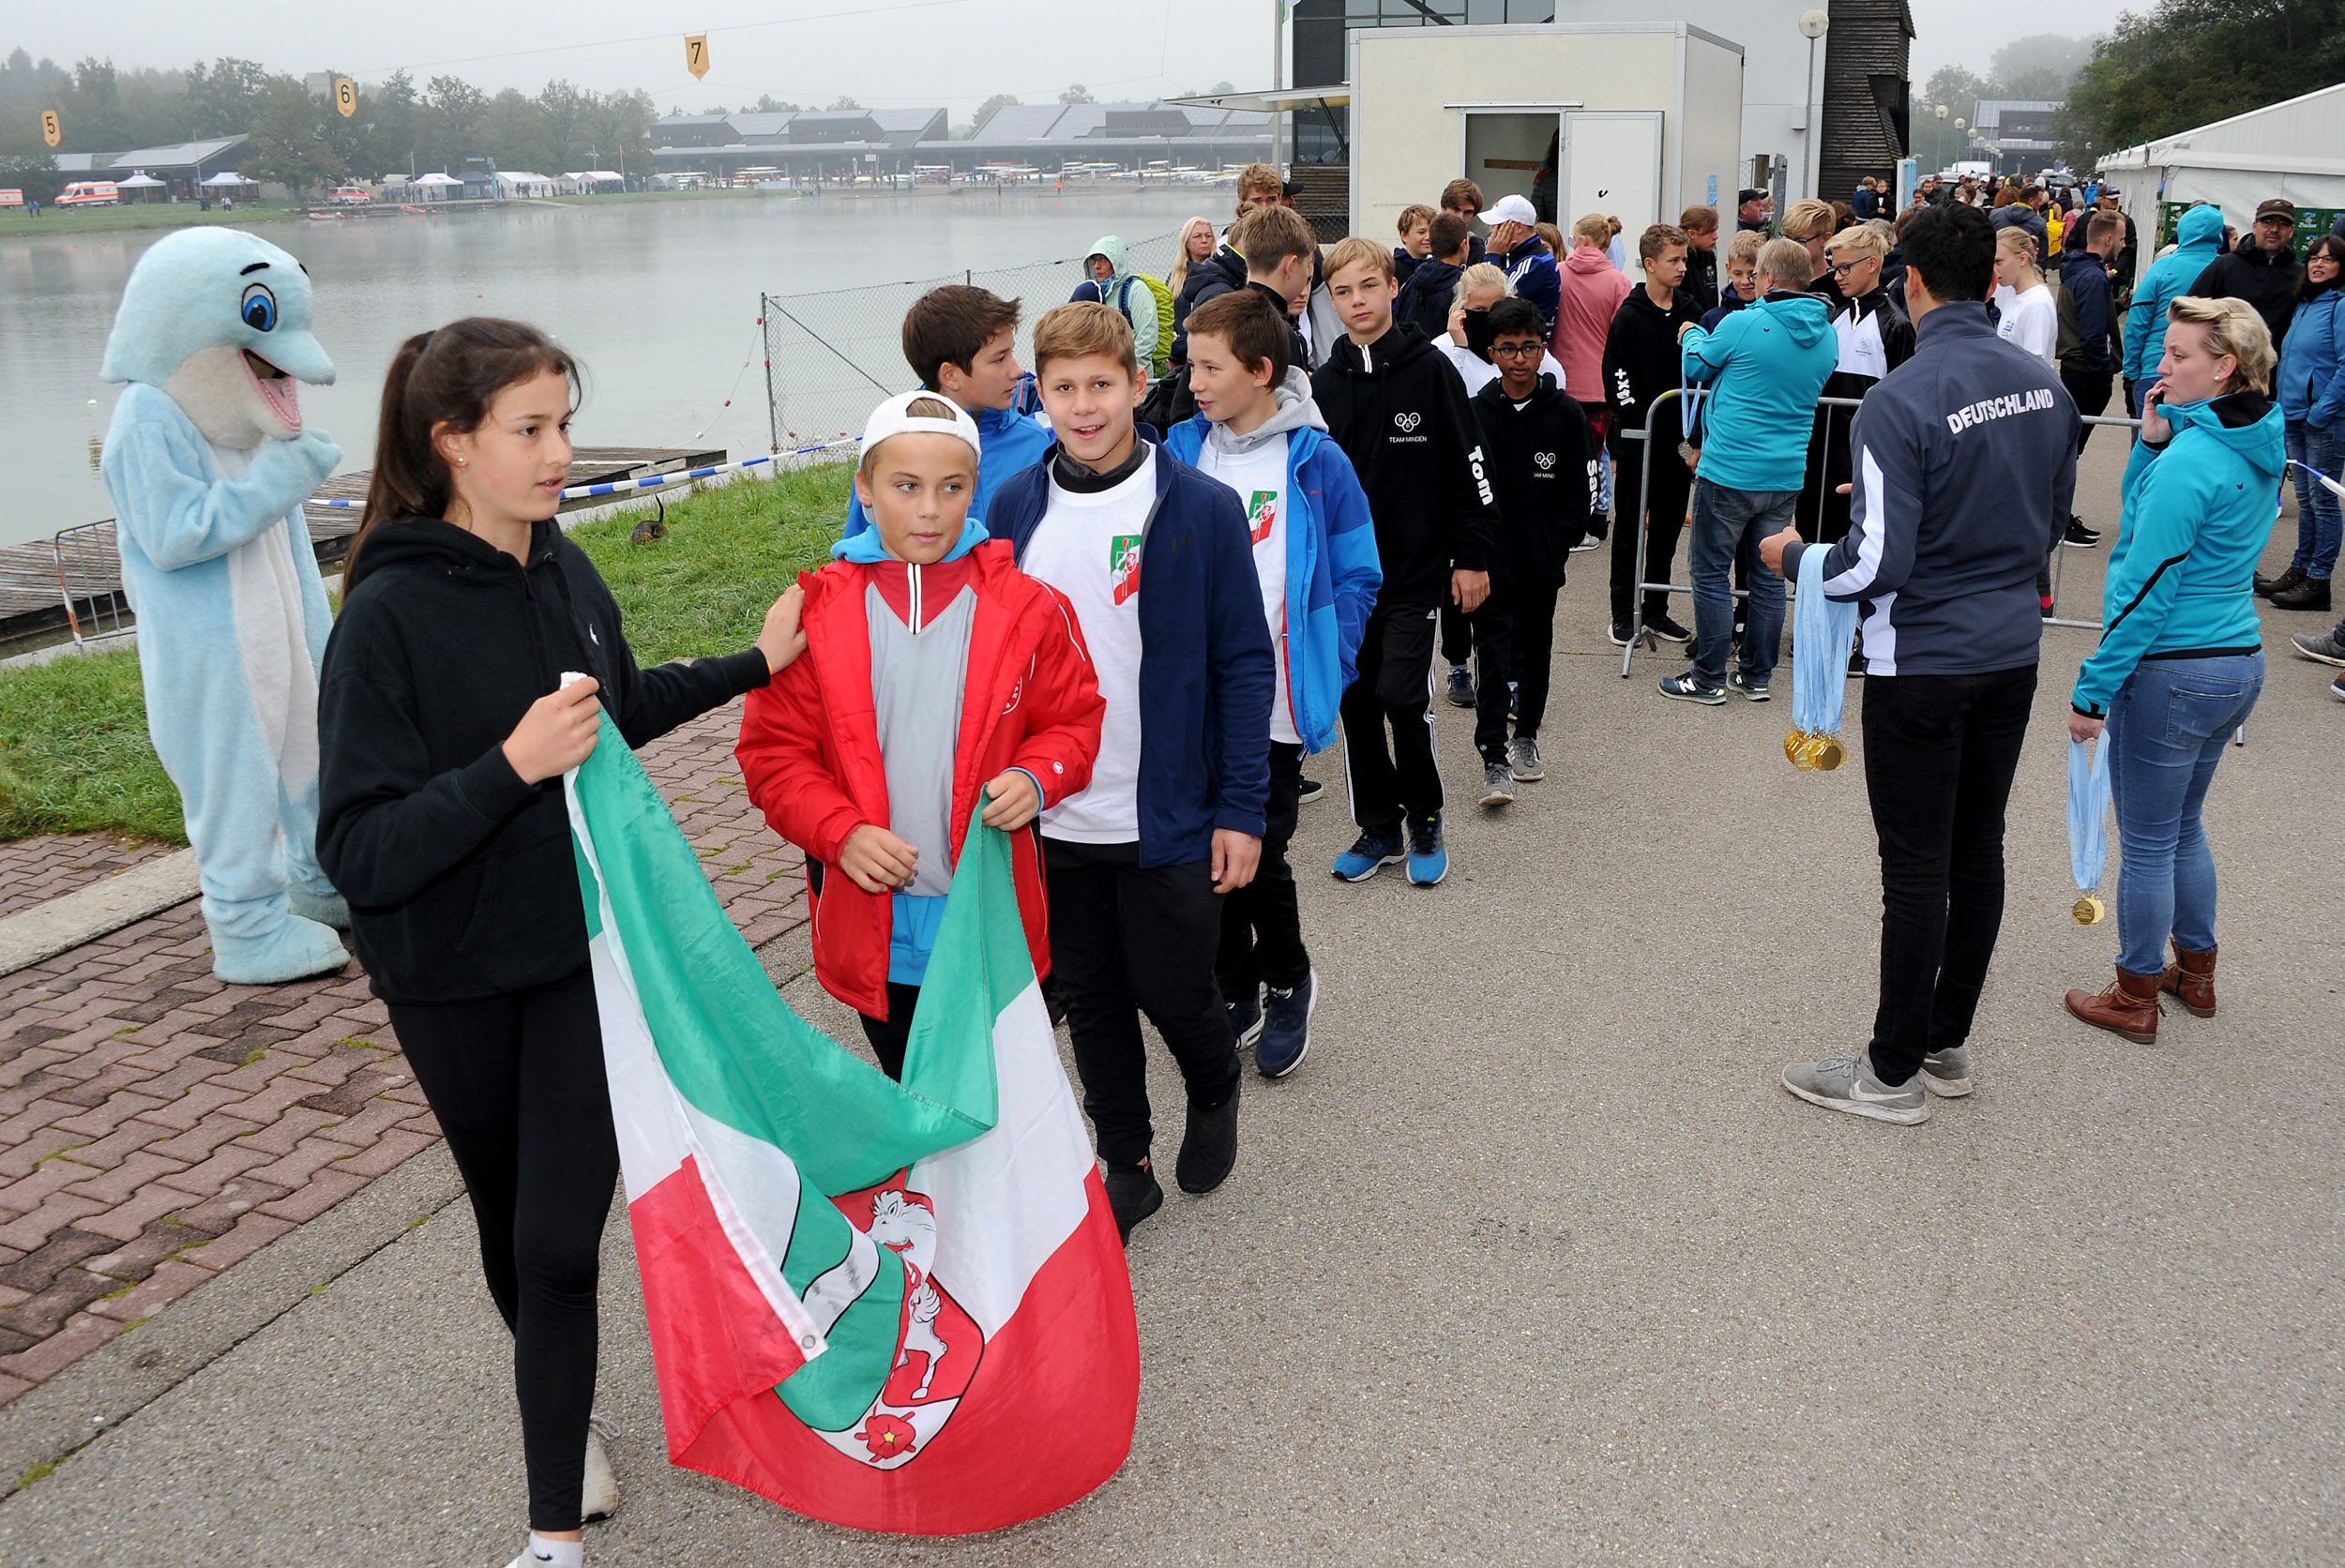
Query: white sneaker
[[599, 1498]]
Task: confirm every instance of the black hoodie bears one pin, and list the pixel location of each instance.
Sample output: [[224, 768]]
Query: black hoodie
[[461, 878], [1218, 274], [1424, 301], [2266, 279], [1642, 361], [1398, 410], [1542, 465]]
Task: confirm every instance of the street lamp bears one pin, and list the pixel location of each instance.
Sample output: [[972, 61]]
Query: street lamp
[[1813, 24]]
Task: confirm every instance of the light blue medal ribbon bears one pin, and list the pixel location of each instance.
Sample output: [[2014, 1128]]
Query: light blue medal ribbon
[[1822, 631], [2088, 825]]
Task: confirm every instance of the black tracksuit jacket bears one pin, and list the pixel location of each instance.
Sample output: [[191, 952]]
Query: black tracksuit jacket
[[1424, 301], [1642, 361], [1541, 460], [1400, 412], [461, 878]]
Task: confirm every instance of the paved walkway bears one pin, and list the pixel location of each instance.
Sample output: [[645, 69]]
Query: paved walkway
[[157, 1126], [34, 870], [1533, 1261]]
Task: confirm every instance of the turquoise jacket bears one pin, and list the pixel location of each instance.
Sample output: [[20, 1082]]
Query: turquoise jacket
[[2200, 237], [1331, 545], [1007, 442], [1766, 365], [2197, 513]]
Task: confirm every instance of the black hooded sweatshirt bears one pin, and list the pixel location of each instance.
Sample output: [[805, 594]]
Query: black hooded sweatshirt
[[1542, 465], [1398, 410], [1642, 361], [1424, 301], [1218, 274], [461, 878], [2266, 279]]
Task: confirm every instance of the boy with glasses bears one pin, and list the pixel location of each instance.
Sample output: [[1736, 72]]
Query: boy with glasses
[[1875, 337]]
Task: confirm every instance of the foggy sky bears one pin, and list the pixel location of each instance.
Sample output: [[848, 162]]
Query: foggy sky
[[888, 52]]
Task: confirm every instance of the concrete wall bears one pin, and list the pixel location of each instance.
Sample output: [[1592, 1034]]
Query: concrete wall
[[1777, 100], [1413, 90]]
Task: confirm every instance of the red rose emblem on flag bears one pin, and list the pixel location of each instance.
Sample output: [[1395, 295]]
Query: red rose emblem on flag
[[886, 1434]]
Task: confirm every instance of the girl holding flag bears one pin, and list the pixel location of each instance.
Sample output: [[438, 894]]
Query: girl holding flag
[[2181, 660], [444, 732]]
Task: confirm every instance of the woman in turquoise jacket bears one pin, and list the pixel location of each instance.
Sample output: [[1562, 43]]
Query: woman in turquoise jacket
[[2181, 659]]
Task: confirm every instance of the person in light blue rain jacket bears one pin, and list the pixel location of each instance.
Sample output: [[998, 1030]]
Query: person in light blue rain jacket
[[2201, 240], [2180, 658]]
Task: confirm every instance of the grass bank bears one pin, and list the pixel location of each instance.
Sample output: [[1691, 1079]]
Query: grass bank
[[68, 221], [74, 756]]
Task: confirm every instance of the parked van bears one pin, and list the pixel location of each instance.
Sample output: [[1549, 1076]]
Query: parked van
[[89, 193], [348, 196]]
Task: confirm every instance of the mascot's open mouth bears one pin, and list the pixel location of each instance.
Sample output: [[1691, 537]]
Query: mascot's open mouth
[[279, 391]]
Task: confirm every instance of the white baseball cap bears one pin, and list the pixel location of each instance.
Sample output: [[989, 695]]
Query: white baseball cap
[[892, 418], [1512, 209]]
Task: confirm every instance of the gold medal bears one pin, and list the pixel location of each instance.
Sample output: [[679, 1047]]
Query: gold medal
[[1795, 746], [1830, 753], [2090, 910]]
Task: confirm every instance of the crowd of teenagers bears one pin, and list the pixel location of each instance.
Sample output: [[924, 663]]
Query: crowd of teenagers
[[1113, 615]]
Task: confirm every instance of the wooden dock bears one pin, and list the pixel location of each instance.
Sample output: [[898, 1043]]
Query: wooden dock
[[33, 584]]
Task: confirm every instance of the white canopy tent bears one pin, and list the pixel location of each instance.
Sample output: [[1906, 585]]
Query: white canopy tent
[[433, 186], [227, 178], [523, 182], [2295, 149]]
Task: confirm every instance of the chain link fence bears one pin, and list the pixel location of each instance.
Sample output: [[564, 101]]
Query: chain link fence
[[829, 356]]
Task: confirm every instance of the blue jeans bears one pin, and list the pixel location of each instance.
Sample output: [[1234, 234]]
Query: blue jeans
[[2168, 726], [1728, 523], [2320, 522]]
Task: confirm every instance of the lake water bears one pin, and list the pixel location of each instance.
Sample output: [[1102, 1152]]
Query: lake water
[[659, 298]]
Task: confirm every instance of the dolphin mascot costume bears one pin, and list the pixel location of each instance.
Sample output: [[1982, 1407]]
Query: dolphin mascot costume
[[209, 465]]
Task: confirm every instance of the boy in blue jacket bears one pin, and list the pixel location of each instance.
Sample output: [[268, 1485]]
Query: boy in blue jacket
[[1136, 864], [962, 343], [1258, 431]]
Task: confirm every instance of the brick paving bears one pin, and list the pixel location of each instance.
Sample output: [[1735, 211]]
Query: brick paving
[[34, 870], [157, 1126]]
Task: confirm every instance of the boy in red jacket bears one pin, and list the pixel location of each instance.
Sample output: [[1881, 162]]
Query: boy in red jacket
[[934, 668]]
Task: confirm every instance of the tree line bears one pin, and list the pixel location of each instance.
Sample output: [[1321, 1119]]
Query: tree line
[[298, 138]]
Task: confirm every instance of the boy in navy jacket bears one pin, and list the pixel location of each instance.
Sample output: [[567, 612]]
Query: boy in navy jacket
[[1136, 864]]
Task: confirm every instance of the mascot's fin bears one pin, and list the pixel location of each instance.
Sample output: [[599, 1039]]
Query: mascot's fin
[[295, 951], [326, 909]]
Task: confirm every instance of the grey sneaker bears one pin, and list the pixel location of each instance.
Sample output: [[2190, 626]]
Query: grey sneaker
[[1847, 1083], [2327, 647], [1948, 1072], [1524, 759], [1498, 787], [1756, 689]]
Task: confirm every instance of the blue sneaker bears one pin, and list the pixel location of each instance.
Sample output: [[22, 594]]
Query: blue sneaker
[[1429, 861], [1246, 1019], [1749, 686], [1689, 688], [1287, 1034], [1370, 854]]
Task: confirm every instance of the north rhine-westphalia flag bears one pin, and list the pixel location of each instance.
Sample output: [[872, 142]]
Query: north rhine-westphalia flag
[[893, 1308]]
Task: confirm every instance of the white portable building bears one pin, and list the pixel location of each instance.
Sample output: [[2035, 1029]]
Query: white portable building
[[1647, 117], [2294, 149]]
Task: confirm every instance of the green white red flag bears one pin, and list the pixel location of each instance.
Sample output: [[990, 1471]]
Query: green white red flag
[[891, 1306]]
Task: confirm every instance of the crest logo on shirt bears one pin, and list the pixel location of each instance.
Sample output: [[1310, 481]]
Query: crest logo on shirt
[[1408, 421], [1124, 566], [1262, 515], [1545, 460]]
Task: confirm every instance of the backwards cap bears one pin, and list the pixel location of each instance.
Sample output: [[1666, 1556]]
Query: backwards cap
[[892, 418]]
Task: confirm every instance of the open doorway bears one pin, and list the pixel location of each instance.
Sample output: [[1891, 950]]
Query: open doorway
[[1508, 151]]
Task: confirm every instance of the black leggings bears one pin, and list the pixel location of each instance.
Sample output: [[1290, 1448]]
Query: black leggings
[[518, 1085]]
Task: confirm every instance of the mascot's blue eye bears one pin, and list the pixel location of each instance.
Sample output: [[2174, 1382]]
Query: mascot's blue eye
[[259, 308]]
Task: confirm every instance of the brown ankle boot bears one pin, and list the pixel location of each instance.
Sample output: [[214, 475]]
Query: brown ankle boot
[[2128, 1007], [2191, 980]]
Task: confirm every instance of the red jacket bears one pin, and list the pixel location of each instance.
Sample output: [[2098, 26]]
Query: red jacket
[[809, 748]]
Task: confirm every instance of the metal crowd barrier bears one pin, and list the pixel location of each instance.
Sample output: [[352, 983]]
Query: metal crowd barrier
[[1637, 632], [89, 579]]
